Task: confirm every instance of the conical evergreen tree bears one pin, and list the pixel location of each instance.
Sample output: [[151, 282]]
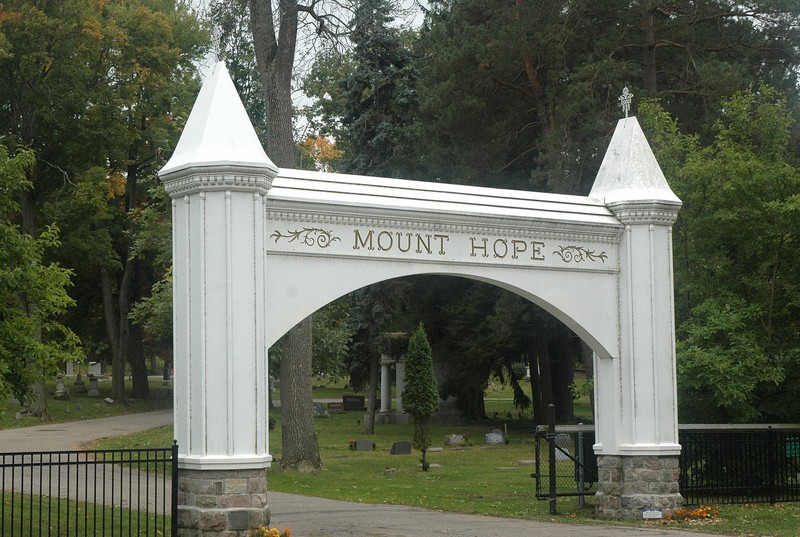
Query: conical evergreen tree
[[420, 395]]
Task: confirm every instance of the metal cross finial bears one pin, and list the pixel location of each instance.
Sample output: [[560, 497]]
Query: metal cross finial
[[625, 100]]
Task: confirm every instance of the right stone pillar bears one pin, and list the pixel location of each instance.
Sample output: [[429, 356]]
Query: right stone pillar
[[636, 391]]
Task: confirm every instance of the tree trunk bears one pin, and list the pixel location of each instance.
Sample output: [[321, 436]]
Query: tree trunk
[[588, 364], [543, 368], [471, 403], [124, 308], [130, 290], [536, 390], [38, 393], [38, 406], [300, 448], [374, 367], [140, 385], [112, 327], [649, 75], [563, 359], [275, 62]]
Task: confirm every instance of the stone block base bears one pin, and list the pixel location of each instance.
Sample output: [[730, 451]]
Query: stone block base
[[221, 503], [630, 484]]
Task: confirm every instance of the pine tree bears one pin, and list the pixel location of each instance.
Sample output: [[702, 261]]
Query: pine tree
[[421, 395]]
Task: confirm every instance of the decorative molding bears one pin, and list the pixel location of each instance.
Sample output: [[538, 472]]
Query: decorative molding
[[195, 180], [579, 254], [310, 236], [646, 212], [529, 229]]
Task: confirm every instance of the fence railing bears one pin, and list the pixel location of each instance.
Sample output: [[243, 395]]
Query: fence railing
[[718, 463], [740, 464], [89, 493]]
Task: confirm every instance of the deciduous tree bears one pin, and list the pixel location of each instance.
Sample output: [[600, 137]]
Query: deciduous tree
[[736, 291], [275, 33], [122, 73], [33, 294]]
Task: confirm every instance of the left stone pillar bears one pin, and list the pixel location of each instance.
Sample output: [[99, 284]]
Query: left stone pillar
[[218, 178]]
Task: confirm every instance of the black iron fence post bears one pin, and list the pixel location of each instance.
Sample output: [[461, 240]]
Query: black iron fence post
[[581, 474], [551, 446], [771, 463], [174, 491]]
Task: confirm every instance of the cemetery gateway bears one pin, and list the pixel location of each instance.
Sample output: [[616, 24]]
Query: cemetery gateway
[[256, 249]]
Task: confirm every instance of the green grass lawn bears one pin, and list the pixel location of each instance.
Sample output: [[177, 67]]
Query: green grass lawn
[[28, 516], [480, 479], [82, 407]]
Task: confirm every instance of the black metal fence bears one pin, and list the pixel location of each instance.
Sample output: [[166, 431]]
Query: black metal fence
[[565, 462], [82, 493], [718, 463], [740, 464]]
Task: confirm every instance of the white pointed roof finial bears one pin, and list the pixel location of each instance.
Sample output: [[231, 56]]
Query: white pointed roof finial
[[218, 133], [629, 171]]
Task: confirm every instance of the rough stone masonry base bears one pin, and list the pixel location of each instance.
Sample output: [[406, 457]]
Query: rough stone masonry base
[[221, 503], [630, 484]]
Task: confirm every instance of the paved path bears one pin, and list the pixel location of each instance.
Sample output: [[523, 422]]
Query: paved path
[[71, 435], [317, 517]]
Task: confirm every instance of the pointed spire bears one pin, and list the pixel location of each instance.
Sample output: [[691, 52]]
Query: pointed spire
[[218, 132], [629, 171]]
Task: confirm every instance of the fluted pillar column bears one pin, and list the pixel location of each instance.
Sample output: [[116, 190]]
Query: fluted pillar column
[[218, 179]]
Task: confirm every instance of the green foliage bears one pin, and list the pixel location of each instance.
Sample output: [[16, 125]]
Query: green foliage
[[524, 94], [101, 91], [332, 335], [420, 395], [722, 363], [379, 93], [33, 292], [736, 261]]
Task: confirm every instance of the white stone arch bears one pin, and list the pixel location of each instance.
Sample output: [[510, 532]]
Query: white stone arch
[[257, 248], [596, 326]]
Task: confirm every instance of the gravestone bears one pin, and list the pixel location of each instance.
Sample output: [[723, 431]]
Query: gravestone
[[335, 408], [80, 386], [61, 391], [454, 439], [365, 445], [93, 391], [70, 369], [401, 448], [319, 411], [95, 368], [353, 402], [495, 439]]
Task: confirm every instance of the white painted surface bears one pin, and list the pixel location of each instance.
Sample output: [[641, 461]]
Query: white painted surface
[[257, 250]]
